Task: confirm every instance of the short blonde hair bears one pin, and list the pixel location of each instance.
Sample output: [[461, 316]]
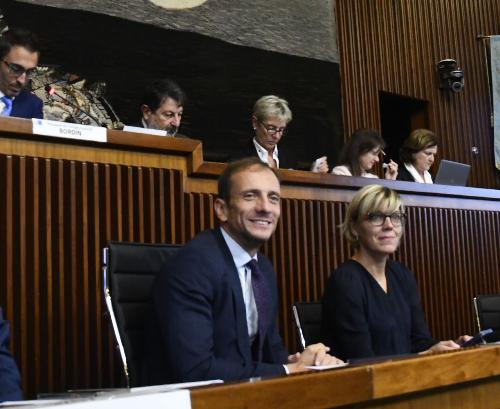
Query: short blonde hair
[[272, 106], [368, 199]]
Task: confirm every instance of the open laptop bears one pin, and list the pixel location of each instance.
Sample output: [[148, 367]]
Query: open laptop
[[452, 173]]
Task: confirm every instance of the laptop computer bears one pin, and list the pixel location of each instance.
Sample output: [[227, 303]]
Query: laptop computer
[[452, 173]]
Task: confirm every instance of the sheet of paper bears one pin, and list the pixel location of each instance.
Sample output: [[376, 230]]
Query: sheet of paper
[[173, 386], [179, 399], [323, 367], [138, 129]]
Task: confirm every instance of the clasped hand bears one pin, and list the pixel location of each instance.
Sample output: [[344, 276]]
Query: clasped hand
[[313, 355]]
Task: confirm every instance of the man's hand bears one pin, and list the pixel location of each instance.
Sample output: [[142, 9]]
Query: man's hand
[[313, 355]]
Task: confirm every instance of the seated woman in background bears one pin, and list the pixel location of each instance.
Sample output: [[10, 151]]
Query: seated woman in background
[[270, 118], [417, 155], [371, 305], [361, 153]]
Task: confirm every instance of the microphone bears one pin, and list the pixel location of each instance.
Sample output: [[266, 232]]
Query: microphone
[[52, 91]]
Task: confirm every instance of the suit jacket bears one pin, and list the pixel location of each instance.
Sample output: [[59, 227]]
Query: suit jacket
[[200, 314], [27, 105], [403, 174], [10, 381]]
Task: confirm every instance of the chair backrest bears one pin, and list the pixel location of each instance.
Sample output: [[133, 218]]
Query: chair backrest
[[308, 320], [129, 270], [488, 314]]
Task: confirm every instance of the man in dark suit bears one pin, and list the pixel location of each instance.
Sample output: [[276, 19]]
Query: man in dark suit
[[162, 106], [10, 382], [19, 54], [215, 303]]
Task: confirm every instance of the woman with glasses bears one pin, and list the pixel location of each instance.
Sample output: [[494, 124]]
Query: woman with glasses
[[371, 305], [361, 153], [270, 118], [417, 155]]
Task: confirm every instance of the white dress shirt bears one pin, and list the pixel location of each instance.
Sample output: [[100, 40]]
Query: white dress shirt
[[263, 154], [241, 258]]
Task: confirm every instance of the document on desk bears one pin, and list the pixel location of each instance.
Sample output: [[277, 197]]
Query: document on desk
[[174, 386], [324, 367], [179, 399]]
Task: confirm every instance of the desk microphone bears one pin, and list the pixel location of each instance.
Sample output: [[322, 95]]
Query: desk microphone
[[52, 91]]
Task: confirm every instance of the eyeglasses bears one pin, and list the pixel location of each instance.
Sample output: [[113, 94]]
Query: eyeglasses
[[272, 130], [18, 70], [378, 218]]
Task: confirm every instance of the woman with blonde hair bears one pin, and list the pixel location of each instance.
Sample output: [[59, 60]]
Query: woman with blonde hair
[[371, 305]]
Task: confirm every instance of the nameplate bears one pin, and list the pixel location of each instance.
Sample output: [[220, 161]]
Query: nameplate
[[69, 130]]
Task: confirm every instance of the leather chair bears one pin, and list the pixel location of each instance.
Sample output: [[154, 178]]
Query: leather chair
[[488, 315], [308, 320], [129, 270]]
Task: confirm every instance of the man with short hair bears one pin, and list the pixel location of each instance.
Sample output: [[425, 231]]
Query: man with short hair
[[10, 381], [19, 53], [162, 106], [215, 303]]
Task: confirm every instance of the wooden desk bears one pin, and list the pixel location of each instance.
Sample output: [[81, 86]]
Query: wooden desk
[[457, 380], [61, 200]]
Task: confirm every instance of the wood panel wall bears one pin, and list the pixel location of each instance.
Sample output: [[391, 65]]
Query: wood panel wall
[[394, 45], [56, 215]]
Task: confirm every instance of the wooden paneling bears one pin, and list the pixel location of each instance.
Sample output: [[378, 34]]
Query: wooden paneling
[[394, 45], [56, 214], [453, 253]]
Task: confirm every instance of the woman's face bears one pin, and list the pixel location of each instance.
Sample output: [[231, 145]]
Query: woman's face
[[423, 160], [268, 132], [369, 159], [378, 233]]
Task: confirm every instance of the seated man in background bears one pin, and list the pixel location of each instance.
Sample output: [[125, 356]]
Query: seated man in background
[[162, 106], [271, 115], [10, 381], [215, 303], [19, 54]]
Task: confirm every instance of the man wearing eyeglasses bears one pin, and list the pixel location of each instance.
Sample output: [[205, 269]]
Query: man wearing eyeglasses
[[162, 106], [271, 116], [19, 54]]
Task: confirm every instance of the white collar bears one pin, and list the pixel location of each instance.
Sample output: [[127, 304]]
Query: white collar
[[418, 178], [262, 152], [240, 255]]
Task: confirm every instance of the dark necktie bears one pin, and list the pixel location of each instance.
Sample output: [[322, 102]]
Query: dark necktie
[[7, 105], [262, 301]]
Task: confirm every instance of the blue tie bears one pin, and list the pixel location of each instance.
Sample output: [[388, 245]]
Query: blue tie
[[262, 302], [8, 105]]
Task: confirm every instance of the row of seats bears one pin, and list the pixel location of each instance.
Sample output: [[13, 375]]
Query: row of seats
[[129, 271]]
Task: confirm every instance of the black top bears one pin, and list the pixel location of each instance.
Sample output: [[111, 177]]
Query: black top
[[286, 158], [361, 320], [404, 175]]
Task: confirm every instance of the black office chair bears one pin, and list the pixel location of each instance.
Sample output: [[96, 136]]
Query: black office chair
[[308, 320], [129, 270], [488, 315]]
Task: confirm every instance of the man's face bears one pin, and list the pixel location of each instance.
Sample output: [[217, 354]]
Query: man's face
[[253, 210], [166, 118], [11, 83]]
